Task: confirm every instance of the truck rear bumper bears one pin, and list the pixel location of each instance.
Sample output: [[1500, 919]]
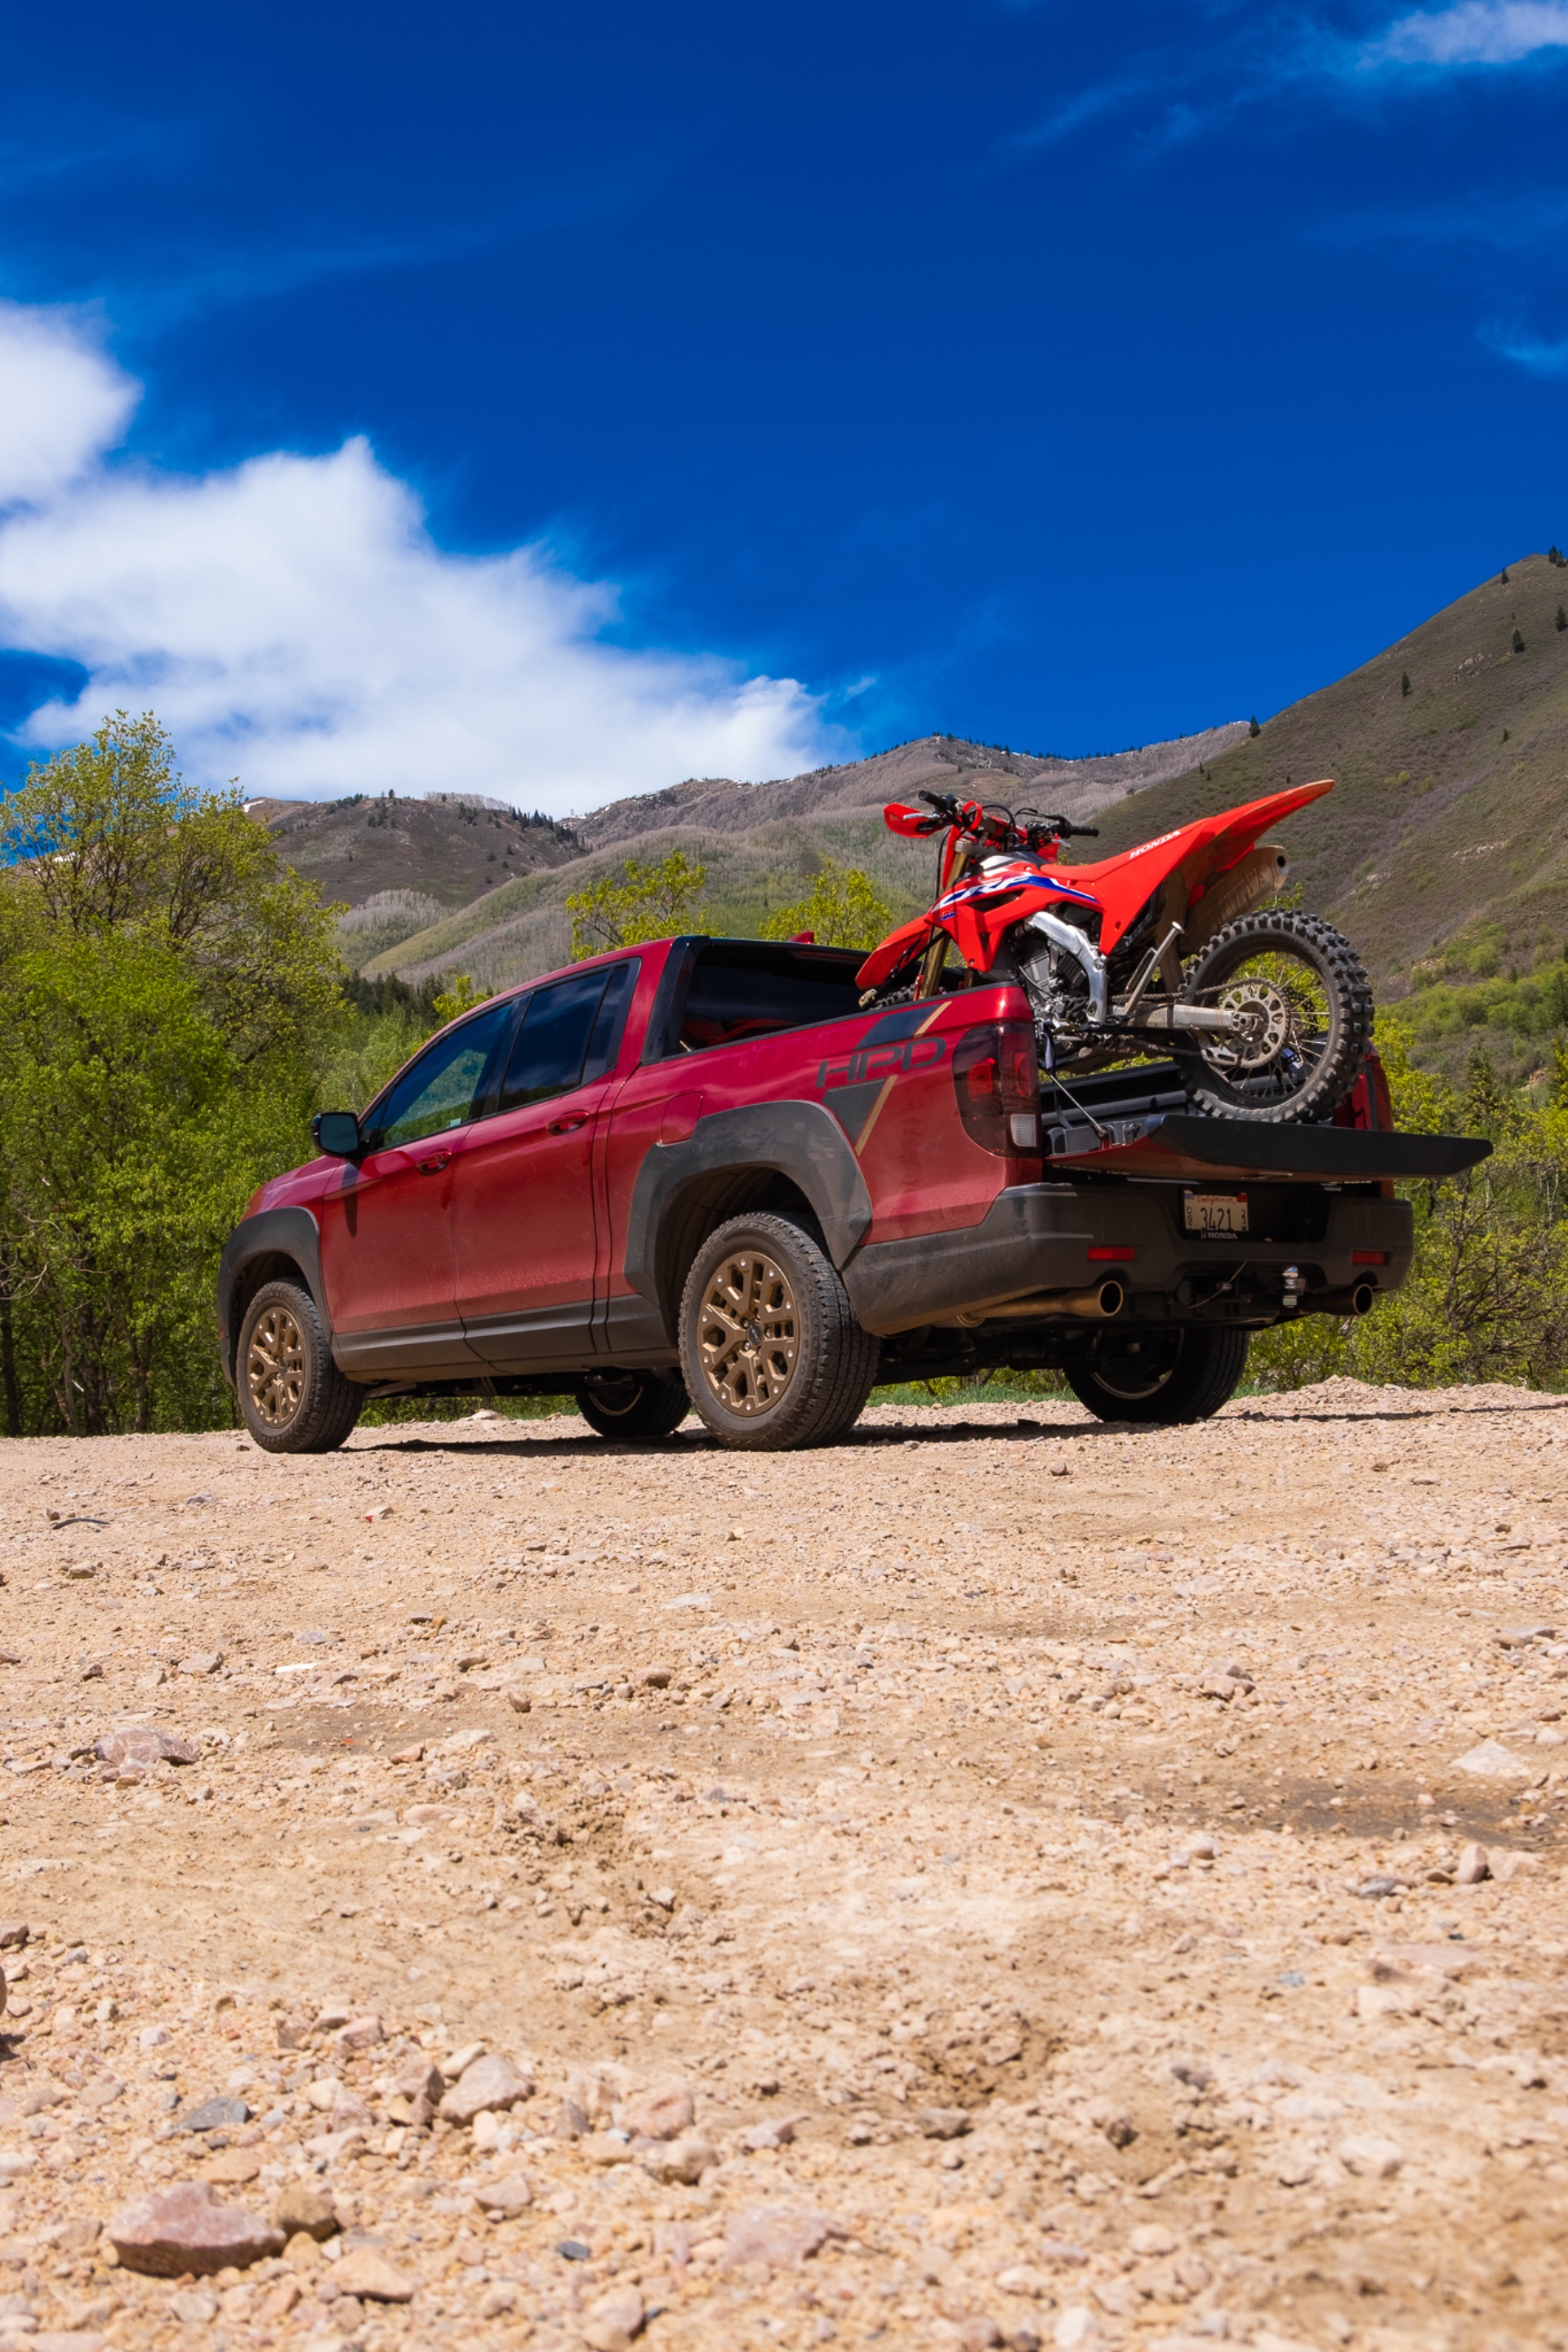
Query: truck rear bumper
[[1038, 1237]]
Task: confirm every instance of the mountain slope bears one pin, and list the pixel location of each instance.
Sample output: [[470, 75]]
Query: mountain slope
[[761, 844], [400, 864]]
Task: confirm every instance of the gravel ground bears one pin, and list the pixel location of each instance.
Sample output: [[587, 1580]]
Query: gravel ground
[[1003, 1880]]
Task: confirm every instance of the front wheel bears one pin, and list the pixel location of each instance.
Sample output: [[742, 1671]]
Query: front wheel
[[773, 1355], [633, 1404], [291, 1395], [1161, 1373], [1299, 988]]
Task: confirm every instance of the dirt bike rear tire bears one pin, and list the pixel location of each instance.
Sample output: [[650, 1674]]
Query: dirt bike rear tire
[[1309, 939], [1191, 1373]]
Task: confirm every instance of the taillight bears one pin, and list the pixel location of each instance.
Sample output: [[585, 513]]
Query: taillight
[[996, 1077]]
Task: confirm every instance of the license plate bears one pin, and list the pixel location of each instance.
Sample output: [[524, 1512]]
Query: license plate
[[1214, 1212]]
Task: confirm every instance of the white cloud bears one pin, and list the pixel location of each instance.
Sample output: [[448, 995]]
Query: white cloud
[[61, 401], [1473, 33], [293, 623]]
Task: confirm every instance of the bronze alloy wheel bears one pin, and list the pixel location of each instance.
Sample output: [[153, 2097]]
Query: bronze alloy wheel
[[275, 1368], [748, 1332], [771, 1353]]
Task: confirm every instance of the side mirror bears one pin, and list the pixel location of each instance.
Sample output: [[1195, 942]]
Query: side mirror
[[336, 1132]]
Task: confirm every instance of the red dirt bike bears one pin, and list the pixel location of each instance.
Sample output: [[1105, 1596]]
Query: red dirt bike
[[1162, 950]]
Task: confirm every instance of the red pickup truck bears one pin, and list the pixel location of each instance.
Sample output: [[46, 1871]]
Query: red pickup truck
[[698, 1174]]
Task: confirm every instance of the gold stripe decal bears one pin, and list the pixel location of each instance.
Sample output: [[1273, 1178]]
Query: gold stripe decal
[[887, 1085]]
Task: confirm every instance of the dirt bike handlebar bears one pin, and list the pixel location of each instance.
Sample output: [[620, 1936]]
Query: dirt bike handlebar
[[1027, 828]]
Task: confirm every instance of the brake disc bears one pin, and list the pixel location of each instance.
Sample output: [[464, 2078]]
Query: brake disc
[[1270, 1020]]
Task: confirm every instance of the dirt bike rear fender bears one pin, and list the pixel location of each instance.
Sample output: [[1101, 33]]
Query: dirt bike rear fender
[[1123, 885]]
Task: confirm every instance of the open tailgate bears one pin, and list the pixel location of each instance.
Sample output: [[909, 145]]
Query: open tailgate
[[1186, 1146]]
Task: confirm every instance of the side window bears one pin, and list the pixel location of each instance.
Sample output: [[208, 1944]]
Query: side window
[[605, 1042], [552, 1044], [444, 1087]]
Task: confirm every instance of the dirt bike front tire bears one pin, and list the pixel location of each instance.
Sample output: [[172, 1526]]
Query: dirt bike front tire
[[1327, 1003]]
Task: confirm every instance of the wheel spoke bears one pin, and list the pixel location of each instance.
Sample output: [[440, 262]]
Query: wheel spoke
[[275, 1366], [748, 1337]]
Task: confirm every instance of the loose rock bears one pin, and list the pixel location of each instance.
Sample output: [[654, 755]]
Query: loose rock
[[614, 2319], [661, 2114], [1492, 1761], [508, 2195], [943, 2122], [680, 2160], [301, 2205], [360, 2032], [493, 2082], [366, 2272], [777, 2234], [141, 1746], [1369, 2155], [213, 2114], [186, 2229], [1475, 1864]]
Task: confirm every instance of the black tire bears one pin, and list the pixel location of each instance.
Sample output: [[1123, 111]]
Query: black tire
[[1323, 1020], [633, 1404], [1159, 1372], [773, 1355], [292, 1397]]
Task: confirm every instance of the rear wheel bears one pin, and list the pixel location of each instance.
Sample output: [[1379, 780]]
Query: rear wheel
[[1306, 1002], [773, 1355], [1159, 1374], [292, 1397], [633, 1404]]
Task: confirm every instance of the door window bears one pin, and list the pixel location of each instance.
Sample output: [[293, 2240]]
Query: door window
[[444, 1087], [552, 1044]]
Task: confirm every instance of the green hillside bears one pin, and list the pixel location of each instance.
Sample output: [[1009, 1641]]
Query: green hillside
[[522, 927], [763, 844], [399, 864], [1444, 851]]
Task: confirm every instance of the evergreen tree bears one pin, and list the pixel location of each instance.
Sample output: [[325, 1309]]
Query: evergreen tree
[[1562, 618], [1252, 727], [1403, 682], [1490, 1109], [1518, 643]]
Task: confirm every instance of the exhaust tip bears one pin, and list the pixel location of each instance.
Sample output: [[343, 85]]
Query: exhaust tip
[[1112, 1298], [1362, 1298]]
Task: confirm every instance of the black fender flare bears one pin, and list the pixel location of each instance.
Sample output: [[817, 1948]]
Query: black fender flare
[[288, 1234], [798, 1141]]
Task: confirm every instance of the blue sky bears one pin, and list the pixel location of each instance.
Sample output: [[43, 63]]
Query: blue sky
[[559, 401]]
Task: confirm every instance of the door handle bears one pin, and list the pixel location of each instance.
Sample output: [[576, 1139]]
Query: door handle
[[433, 1167], [565, 1126]]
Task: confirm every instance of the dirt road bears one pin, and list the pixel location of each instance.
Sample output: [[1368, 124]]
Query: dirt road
[[1029, 1857]]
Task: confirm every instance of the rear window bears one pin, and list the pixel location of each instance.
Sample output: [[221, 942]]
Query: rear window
[[730, 990]]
